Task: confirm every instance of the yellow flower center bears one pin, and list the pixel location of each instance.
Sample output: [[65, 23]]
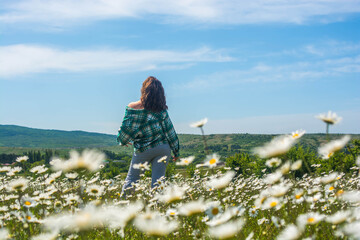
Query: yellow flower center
[[215, 211], [212, 161], [273, 204], [172, 213], [297, 196], [28, 217], [186, 161], [27, 203], [331, 188], [311, 219], [18, 187], [295, 135], [339, 192], [330, 154]]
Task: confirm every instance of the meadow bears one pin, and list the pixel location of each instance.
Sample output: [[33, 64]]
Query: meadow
[[73, 198]]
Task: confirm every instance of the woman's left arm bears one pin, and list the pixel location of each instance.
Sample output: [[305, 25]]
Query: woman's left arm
[[125, 132]]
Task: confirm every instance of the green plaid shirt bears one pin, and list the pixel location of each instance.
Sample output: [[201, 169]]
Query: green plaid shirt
[[146, 129]]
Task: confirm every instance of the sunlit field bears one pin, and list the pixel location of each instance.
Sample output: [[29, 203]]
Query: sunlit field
[[71, 199]]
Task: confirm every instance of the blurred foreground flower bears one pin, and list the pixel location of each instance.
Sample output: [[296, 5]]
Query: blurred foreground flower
[[91, 160], [192, 208], [273, 162], [221, 182], [19, 184], [327, 150], [155, 225], [278, 146], [291, 232], [171, 194], [227, 230], [142, 166]]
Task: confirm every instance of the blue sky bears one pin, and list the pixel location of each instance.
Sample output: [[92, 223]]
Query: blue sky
[[261, 66]]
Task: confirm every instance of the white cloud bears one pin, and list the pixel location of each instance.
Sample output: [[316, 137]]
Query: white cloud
[[24, 59], [276, 124], [57, 12], [333, 59]]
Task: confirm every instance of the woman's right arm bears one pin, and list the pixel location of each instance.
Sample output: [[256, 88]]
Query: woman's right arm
[[172, 136]]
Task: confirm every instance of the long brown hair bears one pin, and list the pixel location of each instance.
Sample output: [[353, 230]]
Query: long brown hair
[[153, 95]]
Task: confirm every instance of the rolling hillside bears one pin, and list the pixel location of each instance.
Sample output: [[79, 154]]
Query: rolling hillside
[[17, 136], [17, 139]]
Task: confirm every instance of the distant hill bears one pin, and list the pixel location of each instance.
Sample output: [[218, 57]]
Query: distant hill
[[17, 136], [17, 139]]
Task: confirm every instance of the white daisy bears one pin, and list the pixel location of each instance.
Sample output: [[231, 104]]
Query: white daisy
[[278, 146], [22, 159], [329, 118], [327, 150], [200, 123], [185, 161]]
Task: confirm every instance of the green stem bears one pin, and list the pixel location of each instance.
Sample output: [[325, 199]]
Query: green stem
[[327, 132], [205, 144]]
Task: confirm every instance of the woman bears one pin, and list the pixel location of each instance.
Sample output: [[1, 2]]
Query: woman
[[148, 128]]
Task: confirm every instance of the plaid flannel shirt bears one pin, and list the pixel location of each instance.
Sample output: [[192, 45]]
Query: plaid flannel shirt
[[146, 129]]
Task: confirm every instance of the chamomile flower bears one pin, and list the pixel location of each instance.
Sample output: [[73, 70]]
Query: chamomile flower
[[162, 159], [185, 161], [210, 161], [4, 234], [329, 118], [332, 177], [273, 177], [90, 160], [19, 184], [142, 166], [271, 203], [327, 150], [73, 175], [95, 190], [310, 218], [200, 123], [171, 212], [276, 147], [221, 182], [291, 232], [156, 226], [273, 162], [227, 230], [296, 165], [339, 217], [172, 193], [28, 202], [39, 169], [191, 208], [213, 211], [22, 159], [298, 134]]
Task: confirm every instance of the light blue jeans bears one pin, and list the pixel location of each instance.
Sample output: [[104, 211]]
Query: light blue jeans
[[157, 168]]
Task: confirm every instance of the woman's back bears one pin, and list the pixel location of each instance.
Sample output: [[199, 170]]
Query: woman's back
[[147, 129]]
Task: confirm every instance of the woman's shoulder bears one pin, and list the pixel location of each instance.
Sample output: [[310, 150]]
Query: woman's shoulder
[[136, 105]]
